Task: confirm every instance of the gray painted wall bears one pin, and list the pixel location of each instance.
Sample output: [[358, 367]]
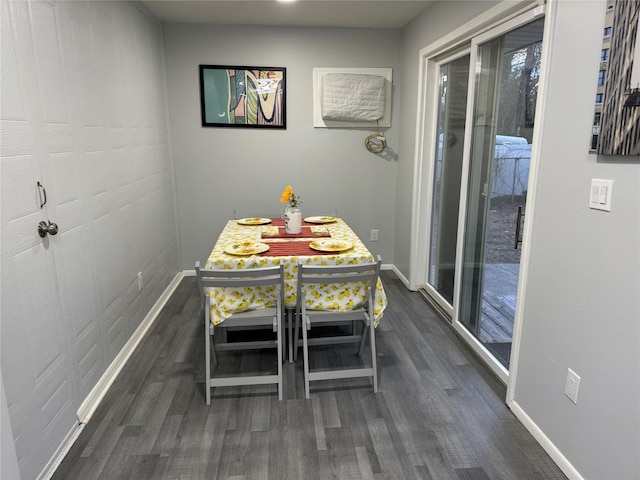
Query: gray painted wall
[[222, 169], [438, 21], [582, 307]]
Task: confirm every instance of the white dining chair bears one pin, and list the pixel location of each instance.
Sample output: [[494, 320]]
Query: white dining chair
[[269, 281], [341, 280]]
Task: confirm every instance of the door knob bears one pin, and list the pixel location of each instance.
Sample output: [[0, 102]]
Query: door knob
[[47, 227], [519, 218]]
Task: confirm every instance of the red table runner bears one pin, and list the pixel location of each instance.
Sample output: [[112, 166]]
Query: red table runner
[[292, 249], [305, 233]]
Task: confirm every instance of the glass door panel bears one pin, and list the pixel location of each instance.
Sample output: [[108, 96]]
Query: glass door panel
[[452, 106], [506, 71]]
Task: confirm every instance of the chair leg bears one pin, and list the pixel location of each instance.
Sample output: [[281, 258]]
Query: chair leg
[[213, 345], [296, 343], [280, 355], [290, 314], [365, 332], [286, 327], [305, 351], [372, 341], [207, 365]]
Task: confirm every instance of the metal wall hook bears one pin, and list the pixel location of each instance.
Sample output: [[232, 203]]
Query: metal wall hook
[[42, 191], [47, 227], [376, 143]]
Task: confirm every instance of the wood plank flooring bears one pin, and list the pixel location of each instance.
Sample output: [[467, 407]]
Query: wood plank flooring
[[439, 414]]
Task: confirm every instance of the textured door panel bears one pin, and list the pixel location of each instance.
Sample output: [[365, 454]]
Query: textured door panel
[[83, 113]]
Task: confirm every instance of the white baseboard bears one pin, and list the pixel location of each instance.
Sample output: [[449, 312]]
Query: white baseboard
[[55, 461], [96, 395], [399, 274], [88, 407], [556, 455]]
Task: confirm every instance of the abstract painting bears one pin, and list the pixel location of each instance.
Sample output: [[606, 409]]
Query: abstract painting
[[233, 96]]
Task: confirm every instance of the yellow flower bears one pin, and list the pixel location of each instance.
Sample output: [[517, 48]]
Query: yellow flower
[[289, 196], [286, 195]]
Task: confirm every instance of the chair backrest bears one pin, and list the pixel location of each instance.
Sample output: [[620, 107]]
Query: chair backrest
[[366, 273], [247, 277]]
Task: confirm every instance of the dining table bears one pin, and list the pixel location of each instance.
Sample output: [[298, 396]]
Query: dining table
[[261, 242]]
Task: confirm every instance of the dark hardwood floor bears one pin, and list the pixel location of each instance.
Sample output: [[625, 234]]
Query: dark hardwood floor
[[439, 414]]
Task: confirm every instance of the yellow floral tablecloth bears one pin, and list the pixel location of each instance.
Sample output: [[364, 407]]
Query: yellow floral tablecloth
[[343, 297]]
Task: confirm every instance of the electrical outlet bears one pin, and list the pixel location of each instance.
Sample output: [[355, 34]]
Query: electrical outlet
[[374, 235], [140, 284], [572, 386]]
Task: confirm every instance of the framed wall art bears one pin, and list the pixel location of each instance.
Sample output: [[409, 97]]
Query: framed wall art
[[616, 119], [238, 96]]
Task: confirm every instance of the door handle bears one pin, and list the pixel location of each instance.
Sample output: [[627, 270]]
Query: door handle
[[41, 191], [47, 227], [519, 218]]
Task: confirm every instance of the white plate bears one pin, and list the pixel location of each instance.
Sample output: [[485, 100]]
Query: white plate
[[328, 245], [246, 248], [320, 220], [254, 221]]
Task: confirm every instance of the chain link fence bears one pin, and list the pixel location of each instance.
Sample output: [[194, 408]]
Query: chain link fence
[[510, 172]]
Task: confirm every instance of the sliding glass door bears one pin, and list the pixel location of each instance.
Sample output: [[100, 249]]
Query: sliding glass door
[[453, 77], [484, 131], [506, 73]]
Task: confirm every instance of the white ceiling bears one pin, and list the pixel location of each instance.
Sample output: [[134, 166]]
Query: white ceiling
[[304, 13]]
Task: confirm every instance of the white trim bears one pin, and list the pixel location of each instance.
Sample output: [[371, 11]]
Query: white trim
[[476, 345], [437, 298], [61, 452], [88, 407], [556, 455], [487, 20], [548, 39], [400, 276], [421, 202]]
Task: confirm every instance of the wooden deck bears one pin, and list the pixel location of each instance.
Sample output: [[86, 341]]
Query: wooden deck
[[498, 302], [498, 308]]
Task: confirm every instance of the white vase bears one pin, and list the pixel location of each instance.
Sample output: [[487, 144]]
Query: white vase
[[292, 220]]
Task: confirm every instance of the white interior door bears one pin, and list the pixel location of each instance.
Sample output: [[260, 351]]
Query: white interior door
[[41, 395], [82, 113], [52, 353]]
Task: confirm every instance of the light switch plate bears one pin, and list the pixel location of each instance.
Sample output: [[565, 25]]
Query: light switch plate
[[572, 386], [600, 194]]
